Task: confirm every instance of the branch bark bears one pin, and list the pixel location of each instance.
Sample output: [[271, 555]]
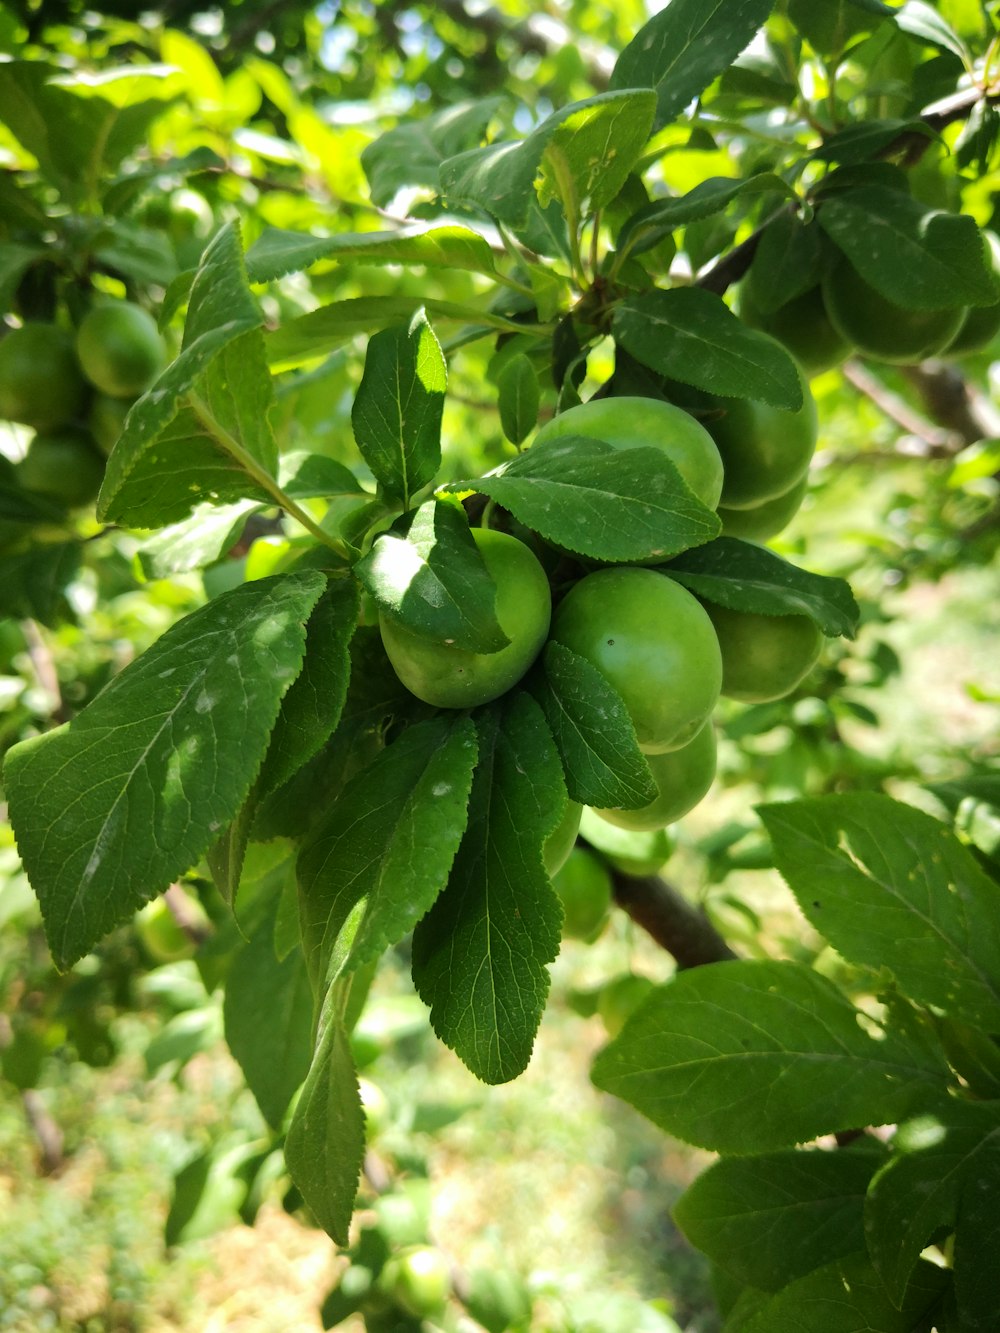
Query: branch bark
[[675, 924]]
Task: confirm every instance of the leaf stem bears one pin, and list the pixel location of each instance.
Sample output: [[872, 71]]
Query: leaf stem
[[264, 480]]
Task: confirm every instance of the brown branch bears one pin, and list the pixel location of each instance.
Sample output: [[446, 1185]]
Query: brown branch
[[937, 442], [953, 402], [675, 924], [45, 669], [46, 1131], [193, 926]]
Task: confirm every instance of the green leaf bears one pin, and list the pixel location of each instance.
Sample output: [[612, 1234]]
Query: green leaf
[[659, 219], [891, 887], [35, 581], [278, 252], [977, 1246], [746, 577], [136, 253], [518, 398], [847, 1297], [601, 502], [591, 152], [923, 22], [111, 808], [770, 1219], [480, 954], [862, 142], [591, 145], [326, 1139], [201, 432], [917, 1192], [921, 258], [386, 846], [268, 1021], [397, 411], [15, 260], [593, 732], [434, 581], [691, 335], [684, 47], [311, 709], [412, 153], [308, 476], [330, 326], [704, 1053], [195, 542], [788, 261]]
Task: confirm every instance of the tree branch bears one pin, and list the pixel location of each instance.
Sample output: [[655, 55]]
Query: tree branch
[[937, 442], [675, 924]]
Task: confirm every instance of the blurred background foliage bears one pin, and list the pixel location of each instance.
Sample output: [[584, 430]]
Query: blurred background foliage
[[133, 1159]]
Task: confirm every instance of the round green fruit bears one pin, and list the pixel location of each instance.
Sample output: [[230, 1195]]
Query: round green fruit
[[63, 465], [450, 677], [161, 936], [878, 327], [765, 450], [620, 998], [120, 348], [630, 853], [982, 322], [682, 777], [375, 1105], [764, 657], [584, 888], [633, 423], [561, 841], [803, 326], [498, 1299], [418, 1280], [765, 520], [653, 642], [106, 419], [40, 380]]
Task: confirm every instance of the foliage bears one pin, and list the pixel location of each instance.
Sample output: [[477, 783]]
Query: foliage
[[280, 743]]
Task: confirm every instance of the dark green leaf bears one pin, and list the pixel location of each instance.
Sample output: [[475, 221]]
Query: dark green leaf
[[412, 153], [518, 398], [917, 1192], [770, 1219], [268, 1016], [35, 581], [977, 1246], [704, 1053], [847, 1297], [326, 1139], [195, 542], [787, 261], [15, 260], [890, 886], [865, 140], [397, 411], [691, 335], [278, 252], [480, 955], [601, 502], [684, 47], [110, 809], [921, 258], [386, 846], [434, 581], [746, 577], [593, 732], [136, 253], [646, 228]]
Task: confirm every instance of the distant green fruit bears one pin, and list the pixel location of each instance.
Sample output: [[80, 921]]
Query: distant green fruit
[[120, 348], [620, 998], [584, 888], [498, 1299], [630, 853], [375, 1105], [63, 465], [161, 936], [106, 419], [682, 777], [802, 325], [40, 380], [764, 657], [418, 1280]]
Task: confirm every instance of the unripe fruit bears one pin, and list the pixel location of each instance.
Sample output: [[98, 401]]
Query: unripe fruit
[[40, 380], [64, 466], [802, 325], [878, 327], [584, 888], [120, 348], [106, 419], [620, 998], [628, 852], [418, 1280], [764, 657], [682, 777], [450, 677], [562, 839], [766, 520], [653, 642]]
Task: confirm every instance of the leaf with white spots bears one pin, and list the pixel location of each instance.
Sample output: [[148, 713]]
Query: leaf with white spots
[[891, 887], [746, 577], [109, 809], [597, 501]]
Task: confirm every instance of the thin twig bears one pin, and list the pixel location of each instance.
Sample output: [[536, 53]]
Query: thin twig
[[939, 442]]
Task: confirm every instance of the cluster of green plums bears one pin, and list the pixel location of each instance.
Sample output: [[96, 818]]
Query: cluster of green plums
[[667, 654], [74, 390]]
